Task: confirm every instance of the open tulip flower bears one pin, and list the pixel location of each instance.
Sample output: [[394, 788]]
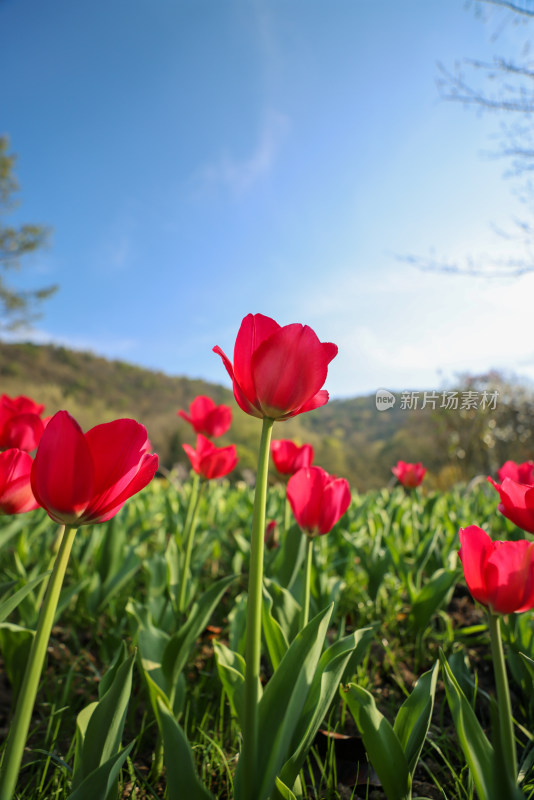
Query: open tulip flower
[[208, 418], [288, 457], [318, 500], [500, 575], [84, 478], [521, 473], [21, 425], [16, 495], [278, 371], [410, 475], [211, 461], [517, 502], [78, 479]]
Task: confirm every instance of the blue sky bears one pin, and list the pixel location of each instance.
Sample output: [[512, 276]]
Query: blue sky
[[202, 159]]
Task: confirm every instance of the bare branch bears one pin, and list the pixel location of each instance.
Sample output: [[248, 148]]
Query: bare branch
[[507, 4], [499, 268]]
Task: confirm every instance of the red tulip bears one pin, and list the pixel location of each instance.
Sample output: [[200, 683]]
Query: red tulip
[[84, 478], [10, 406], [410, 475], [318, 500], [517, 502], [15, 489], [278, 371], [500, 575], [21, 425], [206, 417], [209, 460], [521, 473], [288, 457]]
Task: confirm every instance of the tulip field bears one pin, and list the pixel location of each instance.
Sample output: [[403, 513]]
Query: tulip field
[[390, 568], [195, 637]]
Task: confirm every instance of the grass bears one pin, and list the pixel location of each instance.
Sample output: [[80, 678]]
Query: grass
[[374, 565]]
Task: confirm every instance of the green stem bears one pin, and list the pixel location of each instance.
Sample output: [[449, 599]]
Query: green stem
[[506, 724], [189, 534], [249, 754], [287, 515], [305, 610], [21, 722]]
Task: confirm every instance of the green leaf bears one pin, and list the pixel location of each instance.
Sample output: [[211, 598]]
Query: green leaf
[[180, 645], [102, 782], [231, 669], [102, 730], [325, 684], [183, 782], [172, 560], [431, 596], [284, 698], [381, 742], [413, 719], [15, 646], [109, 676], [478, 752], [115, 582], [275, 638], [364, 637], [7, 606], [528, 662], [289, 557], [284, 791], [286, 610], [151, 642]]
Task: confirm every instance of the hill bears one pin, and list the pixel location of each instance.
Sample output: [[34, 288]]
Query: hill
[[351, 438]]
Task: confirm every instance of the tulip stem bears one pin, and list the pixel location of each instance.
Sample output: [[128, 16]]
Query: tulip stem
[[506, 724], [21, 721], [249, 755], [188, 536], [305, 610], [287, 515]]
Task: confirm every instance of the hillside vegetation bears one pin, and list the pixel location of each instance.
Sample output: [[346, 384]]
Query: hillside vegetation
[[351, 438]]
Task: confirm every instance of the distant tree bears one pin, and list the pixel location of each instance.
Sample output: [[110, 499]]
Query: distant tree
[[498, 426], [17, 307], [504, 86]]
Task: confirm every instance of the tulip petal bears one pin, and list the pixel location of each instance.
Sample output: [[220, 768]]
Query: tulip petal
[[305, 496], [62, 476], [209, 460], [476, 548], [318, 400], [16, 496], [336, 500], [284, 453], [506, 574], [288, 369], [255, 330], [148, 465], [517, 502], [22, 431], [117, 450], [241, 400]]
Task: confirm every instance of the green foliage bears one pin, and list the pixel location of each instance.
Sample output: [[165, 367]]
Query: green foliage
[[391, 566], [394, 751]]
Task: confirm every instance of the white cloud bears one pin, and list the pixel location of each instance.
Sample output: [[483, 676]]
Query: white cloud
[[404, 329], [238, 175]]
